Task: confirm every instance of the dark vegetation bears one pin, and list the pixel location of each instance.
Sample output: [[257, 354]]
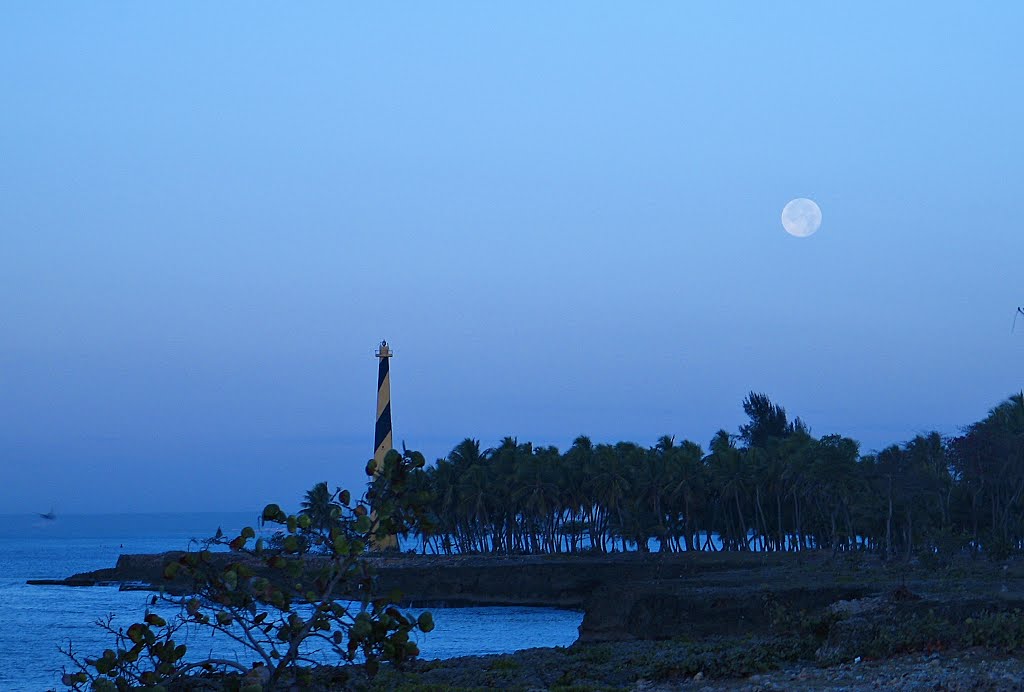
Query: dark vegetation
[[283, 600], [796, 639], [773, 486]]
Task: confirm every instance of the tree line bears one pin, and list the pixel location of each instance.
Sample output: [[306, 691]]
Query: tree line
[[771, 486]]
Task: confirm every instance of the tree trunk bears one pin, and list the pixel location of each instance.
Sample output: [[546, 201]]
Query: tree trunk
[[888, 524], [743, 522]]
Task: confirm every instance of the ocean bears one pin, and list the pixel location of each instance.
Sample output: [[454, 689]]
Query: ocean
[[36, 620]]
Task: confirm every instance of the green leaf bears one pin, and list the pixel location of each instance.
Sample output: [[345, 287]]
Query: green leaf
[[270, 512], [105, 664], [362, 524], [248, 532], [362, 628], [136, 633], [70, 680], [425, 622]]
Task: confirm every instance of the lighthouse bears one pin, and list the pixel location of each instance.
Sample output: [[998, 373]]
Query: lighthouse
[[382, 438]]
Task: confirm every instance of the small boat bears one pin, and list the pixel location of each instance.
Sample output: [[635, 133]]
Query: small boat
[[48, 516]]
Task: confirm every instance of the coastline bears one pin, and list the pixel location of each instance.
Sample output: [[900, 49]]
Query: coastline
[[634, 596]]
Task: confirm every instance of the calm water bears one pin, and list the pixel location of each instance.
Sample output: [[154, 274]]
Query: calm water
[[34, 620]]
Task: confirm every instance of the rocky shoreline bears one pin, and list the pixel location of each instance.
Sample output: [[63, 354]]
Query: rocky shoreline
[[973, 669], [711, 621]]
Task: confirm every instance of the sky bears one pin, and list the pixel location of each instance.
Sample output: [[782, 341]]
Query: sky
[[563, 217]]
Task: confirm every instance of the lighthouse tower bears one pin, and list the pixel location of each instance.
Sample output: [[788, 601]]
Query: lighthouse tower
[[382, 439]]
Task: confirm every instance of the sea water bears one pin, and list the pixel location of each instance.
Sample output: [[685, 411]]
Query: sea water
[[36, 620]]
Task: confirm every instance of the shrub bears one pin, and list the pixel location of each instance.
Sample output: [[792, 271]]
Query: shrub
[[273, 598]]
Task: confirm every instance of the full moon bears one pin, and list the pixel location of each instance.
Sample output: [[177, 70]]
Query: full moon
[[801, 217]]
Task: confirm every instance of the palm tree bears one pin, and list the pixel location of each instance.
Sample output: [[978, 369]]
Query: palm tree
[[574, 469], [611, 488], [537, 495], [320, 506], [730, 473], [767, 420], [685, 492]]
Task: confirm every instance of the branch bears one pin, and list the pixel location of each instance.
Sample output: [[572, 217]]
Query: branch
[[209, 662]]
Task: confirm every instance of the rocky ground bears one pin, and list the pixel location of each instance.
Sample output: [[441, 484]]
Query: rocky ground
[[971, 669], [958, 670], [964, 632], [569, 670], [806, 621]]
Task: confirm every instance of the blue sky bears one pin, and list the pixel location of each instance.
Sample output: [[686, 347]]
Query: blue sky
[[565, 219]]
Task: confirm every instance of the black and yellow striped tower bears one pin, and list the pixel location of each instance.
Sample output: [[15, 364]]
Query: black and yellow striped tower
[[382, 438], [382, 441]]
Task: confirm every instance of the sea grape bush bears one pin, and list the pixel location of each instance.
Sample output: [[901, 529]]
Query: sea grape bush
[[306, 599]]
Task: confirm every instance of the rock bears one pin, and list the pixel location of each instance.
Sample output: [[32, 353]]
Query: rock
[[855, 606], [846, 640], [657, 610]]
